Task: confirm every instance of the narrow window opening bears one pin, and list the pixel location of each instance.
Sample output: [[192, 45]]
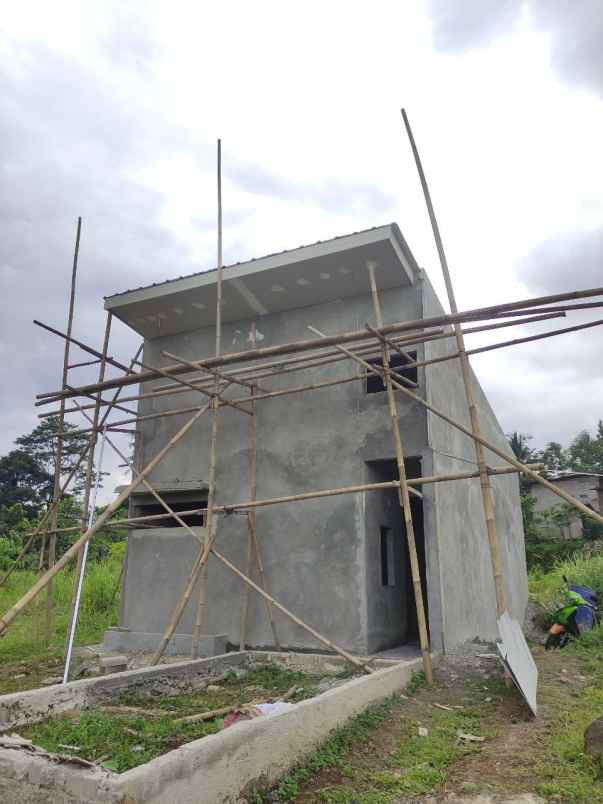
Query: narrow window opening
[[374, 382], [146, 505], [387, 557]]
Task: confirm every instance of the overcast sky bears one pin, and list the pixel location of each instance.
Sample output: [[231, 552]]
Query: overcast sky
[[111, 111]]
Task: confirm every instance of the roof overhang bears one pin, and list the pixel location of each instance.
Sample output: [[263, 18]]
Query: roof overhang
[[309, 275]]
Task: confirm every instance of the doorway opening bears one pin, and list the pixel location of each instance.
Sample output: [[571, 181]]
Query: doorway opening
[[392, 609]]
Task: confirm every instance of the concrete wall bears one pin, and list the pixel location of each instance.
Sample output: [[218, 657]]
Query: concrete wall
[[315, 552], [588, 490], [224, 767], [465, 574]]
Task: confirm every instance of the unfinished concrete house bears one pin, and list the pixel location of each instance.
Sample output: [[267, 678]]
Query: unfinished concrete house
[[584, 486], [339, 562]]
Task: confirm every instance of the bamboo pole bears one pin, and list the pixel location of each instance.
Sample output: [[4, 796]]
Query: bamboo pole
[[251, 516], [485, 486], [270, 369], [389, 484], [355, 377], [501, 345], [85, 348], [18, 607], [211, 495], [56, 492], [262, 578], [521, 467], [403, 491], [331, 645], [87, 513], [474, 315], [321, 359]]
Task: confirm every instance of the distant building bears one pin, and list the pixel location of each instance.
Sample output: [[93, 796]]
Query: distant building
[[585, 486]]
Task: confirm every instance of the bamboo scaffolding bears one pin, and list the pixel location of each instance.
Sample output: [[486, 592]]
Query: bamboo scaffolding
[[353, 378], [42, 582], [249, 504], [403, 491], [430, 335], [58, 466], [477, 314], [485, 486], [87, 512], [38, 531], [229, 379], [490, 347], [82, 346], [521, 467]]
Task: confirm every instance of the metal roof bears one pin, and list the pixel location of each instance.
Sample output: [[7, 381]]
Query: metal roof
[[317, 273], [395, 228]]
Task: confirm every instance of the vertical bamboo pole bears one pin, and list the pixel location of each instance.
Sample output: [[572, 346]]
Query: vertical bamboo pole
[[251, 515], [87, 514], [486, 488], [215, 408], [403, 493], [56, 493]]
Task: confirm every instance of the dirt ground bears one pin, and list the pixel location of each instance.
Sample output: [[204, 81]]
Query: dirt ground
[[509, 763]]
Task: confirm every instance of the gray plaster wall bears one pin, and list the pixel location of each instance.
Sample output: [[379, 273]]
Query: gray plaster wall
[[315, 552], [466, 583]]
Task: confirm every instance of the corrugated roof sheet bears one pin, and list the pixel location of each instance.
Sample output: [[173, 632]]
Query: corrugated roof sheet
[[254, 259]]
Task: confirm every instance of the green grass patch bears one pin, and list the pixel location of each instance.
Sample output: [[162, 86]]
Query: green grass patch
[[120, 742], [259, 684], [125, 741], [98, 610]]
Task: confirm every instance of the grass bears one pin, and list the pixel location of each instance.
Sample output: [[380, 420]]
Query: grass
[[547, 587], [121, 742], [363, 771], [23, 651]]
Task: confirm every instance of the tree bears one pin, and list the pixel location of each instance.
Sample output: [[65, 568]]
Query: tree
[[41, 446], [24, 482], [554, 457], [585, 453], [519, 444]]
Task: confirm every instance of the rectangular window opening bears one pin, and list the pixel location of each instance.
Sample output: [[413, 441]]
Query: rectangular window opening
[[387, 557], [374, 382], [147, 505]]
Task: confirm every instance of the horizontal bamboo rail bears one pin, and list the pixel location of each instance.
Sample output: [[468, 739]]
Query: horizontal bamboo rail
[[332, 340], [321, 359], [83, 346]]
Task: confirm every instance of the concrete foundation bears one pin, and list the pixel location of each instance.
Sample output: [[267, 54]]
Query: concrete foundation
[[117, 639], [216, 769]]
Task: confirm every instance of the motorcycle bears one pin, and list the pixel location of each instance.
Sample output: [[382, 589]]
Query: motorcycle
[[578, 614]]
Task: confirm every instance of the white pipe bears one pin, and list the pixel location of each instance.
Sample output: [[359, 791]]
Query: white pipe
[[80, 580]]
